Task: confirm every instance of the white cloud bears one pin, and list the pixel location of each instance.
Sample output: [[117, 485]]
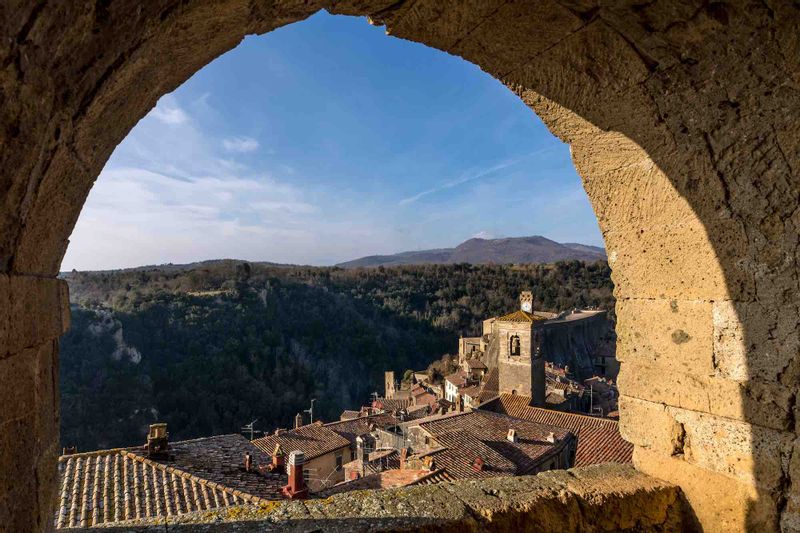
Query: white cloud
[[483, 235], [240, 144], [169, 112], [173, 194]]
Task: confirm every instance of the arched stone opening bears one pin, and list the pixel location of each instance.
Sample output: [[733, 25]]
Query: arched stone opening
[[683, 125]]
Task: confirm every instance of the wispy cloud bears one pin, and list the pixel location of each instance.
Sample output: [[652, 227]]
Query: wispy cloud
[[169, 112], [484, 173], [483, 235], [240, 144]]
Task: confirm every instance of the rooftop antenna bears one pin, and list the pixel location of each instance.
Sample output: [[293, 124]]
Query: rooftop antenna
[[310, 410], [250, 428]]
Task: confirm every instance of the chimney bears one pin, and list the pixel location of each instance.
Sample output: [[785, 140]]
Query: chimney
[[296, 489], [403, 458], [298, 421], [477, 464], [157, 441], [551, 437], [248, 462], [278, 458], [360, 448], [512, 436]]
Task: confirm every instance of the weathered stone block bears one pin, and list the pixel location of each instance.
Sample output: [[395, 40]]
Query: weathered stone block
[[648, 425], [668, 334], [18, 480], [751, 454], [36, 311], [719, 502], [614, 66], [18, 385], [645, 265], [752, 340], [761, 403], [540, 25]]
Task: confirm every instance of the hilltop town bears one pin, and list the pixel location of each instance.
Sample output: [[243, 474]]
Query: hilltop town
[[510, 407]]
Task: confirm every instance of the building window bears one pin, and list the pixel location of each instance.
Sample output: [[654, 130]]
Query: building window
[[514, 346], [339, 461]]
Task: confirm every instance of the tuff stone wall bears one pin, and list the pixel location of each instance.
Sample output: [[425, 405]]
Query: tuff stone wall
[[573, 342], [682, 120]]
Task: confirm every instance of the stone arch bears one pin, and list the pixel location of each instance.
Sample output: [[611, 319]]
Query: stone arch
[[682, 123]]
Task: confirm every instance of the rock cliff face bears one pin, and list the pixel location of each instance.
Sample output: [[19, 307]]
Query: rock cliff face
[[575, 343]]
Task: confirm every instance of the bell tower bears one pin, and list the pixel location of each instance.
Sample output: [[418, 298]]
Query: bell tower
[[526, 301]]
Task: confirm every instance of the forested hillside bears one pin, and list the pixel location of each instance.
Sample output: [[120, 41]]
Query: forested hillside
[[210, 347]]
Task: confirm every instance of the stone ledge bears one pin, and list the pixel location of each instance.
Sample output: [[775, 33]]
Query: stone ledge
[[596, 498]]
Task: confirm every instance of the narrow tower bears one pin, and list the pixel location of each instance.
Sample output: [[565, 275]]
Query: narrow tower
[[520, 361]]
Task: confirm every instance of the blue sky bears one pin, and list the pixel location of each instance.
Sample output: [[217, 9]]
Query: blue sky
[[324, 141]]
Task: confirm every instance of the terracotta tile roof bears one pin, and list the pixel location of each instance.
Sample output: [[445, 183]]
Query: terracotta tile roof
[[220, 459], [351, 429], [459, 379], [461, 449], [472, 392], [391, 404], [476, 364], [483, 434], [314, 440], [111, 486], [599, 440], [555, 399], [490, 386], [419, 411], [425, 400], [437, 476], [521, 316], [349, 415]]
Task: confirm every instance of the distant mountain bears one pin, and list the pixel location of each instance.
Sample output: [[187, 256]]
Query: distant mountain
[[535, 249]]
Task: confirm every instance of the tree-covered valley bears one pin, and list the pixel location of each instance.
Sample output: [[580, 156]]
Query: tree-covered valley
[[211, 346]]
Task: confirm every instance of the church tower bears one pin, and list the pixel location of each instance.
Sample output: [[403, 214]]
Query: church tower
[[526, 301], [520, 362], [389, 385]]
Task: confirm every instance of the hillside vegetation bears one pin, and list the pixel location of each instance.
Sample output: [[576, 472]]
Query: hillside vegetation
[[210, 347]]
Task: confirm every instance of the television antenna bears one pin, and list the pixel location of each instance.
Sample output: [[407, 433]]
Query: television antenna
[[310, 411], [250, 428]]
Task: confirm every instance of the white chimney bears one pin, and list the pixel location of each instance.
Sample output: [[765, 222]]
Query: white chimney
[[551, 437], [512, 436]]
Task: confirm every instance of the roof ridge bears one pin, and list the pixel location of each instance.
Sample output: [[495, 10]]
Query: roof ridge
[[328, 424], [94, 453], [605, 421]]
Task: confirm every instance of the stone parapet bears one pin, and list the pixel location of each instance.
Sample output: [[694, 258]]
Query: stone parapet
[[596, 498]]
